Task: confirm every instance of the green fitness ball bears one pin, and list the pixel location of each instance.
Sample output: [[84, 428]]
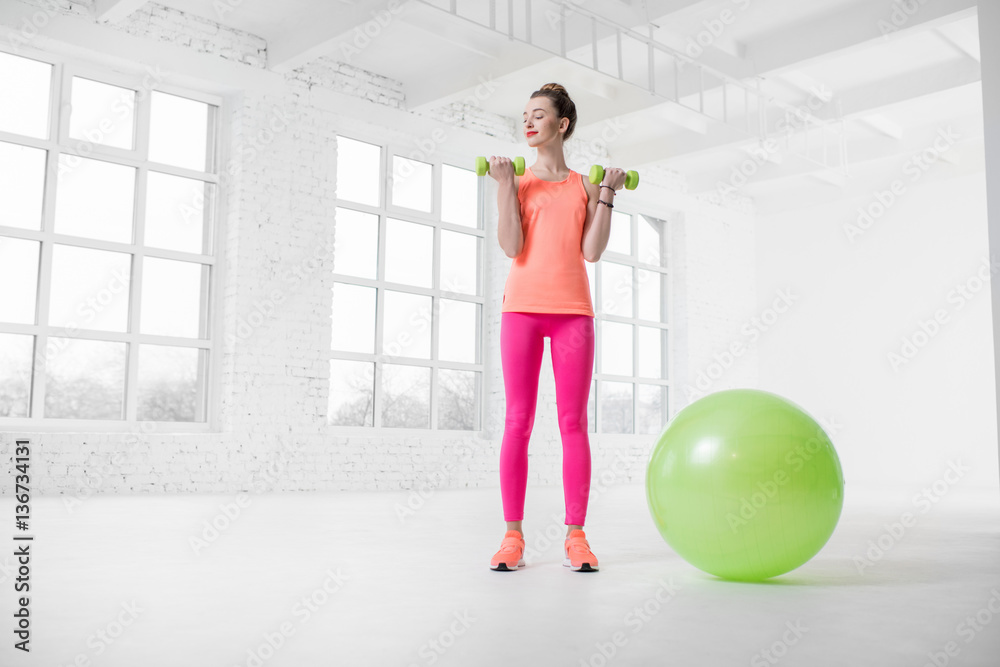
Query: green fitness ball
[[745, 485]]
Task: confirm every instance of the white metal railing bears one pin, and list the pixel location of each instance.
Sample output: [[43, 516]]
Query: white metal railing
[[562, 12]]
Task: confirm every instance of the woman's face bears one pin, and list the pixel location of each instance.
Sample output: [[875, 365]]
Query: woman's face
[[541, 123]]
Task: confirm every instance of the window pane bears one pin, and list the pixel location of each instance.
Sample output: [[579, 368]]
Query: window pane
[[178, 131], [356, 244], [620, 239], [406, 396], [412, 183], [457, 334], [358, 171], [15, 374], [652, 241], [652, 284], [171, 383], [24, 105], [616, 289], [102, 113], [353, 318], [459, 196], [90, 289], [409, 252], [616, 407], [650, 409], [22, 185], [458, 399], [173, 298], [407, 328], [19, 280], [95, 199], [352, 393], [652, 347], [84, 379], [459, 262], [179, 213], [616, 348]]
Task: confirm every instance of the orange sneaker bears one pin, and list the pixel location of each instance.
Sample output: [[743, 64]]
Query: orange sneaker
[[579, 557], [511, 554]]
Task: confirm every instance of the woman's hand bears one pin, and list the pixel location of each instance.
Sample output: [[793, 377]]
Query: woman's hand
[[614, 178], [502, 169]]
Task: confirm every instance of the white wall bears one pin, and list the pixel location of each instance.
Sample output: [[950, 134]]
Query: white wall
[[715, 303], [896, 424]]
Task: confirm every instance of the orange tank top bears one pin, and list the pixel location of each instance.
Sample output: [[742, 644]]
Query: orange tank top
[[549, 276]]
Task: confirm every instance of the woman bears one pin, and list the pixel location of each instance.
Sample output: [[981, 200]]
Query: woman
[[551, 220]]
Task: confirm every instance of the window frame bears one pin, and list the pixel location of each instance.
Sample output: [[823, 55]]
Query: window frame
[[387, 209], [666, 270], [59, 142]]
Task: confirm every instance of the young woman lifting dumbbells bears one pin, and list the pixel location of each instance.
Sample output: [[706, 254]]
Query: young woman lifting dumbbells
[[551, 220]]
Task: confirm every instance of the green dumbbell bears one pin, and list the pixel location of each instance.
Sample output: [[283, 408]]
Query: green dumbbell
[[483, 166], [631, 177]]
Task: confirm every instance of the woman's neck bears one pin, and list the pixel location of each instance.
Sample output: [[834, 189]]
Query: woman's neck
[[550, 159]]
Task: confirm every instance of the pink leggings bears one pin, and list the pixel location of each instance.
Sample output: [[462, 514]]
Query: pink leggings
[[571, 339]]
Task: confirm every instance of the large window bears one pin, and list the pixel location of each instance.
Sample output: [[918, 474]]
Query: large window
[[408, 302], [407, 294], [108, 186], [630, 289]]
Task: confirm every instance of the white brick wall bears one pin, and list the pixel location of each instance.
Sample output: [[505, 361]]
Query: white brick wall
[[280, 205], [166, 24]]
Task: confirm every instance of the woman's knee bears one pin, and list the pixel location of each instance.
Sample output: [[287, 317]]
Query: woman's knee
[[573, 423], [519, 424]]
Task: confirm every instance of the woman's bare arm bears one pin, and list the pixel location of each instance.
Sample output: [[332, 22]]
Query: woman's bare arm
[[509, 232]]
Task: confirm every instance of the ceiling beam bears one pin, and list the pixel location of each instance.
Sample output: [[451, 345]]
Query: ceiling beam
[[880, 123], [661, 10], [858, 103], [911, 147], [113, 11], [794, 44], [963, 36], [789, 195], [859, 23], [806, 84], [330, 28], [862, 100]]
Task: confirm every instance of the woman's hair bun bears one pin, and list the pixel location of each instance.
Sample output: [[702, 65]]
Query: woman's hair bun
[[555, 87]]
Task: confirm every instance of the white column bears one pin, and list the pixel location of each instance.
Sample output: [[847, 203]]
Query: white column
[[989, 47]]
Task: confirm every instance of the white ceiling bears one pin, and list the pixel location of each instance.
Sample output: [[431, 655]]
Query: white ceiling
[[887, 93]]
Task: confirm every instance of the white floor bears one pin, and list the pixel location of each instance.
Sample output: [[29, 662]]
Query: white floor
[[341, 579]]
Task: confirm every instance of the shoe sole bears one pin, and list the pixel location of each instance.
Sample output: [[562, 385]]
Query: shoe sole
[[502, 567], [584, 567]]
